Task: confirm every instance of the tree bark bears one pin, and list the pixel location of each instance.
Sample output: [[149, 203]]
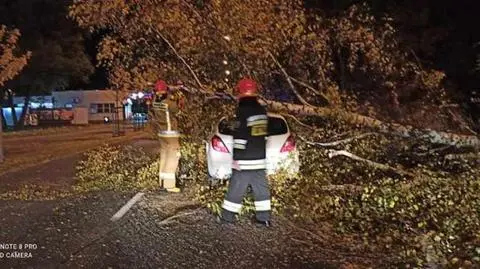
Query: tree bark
[[437, 137], [21, 122], [4, 121], [11, 104]]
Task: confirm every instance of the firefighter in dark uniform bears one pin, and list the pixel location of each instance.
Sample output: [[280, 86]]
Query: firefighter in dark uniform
[[249, 156]]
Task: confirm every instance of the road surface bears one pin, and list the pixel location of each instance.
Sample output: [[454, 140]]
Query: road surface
[[31, 148], [76, 232]]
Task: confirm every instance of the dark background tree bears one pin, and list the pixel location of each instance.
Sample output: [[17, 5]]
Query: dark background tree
[[441, 34], [59, 58]]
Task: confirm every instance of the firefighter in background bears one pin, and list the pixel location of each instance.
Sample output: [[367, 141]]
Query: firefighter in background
[[166, 107], [249, 156]]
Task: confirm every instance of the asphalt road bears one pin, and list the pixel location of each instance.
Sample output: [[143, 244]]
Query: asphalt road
[[28, 149], [76, 232]]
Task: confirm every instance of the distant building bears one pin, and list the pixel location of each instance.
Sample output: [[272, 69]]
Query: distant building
[[100, 103]]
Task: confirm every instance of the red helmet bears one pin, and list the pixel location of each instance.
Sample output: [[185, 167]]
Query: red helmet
[[246, 87], [161, 87]]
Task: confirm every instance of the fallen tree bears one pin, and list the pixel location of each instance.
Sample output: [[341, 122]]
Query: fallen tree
[[431, 136], [141, 47], [360, 189], [343, 65]]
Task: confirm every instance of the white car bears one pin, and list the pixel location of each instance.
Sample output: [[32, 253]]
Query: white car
[[282, 153]]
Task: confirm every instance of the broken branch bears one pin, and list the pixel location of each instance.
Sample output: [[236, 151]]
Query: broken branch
[[297, 94], [180, 57], [338, 142], [299, 122], [433, 150], [304, 84], [333, 153], [472, 155], [461, 122], [169, 219]]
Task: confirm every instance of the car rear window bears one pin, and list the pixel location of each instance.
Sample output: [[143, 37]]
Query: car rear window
[[276, 126], [225, 128]]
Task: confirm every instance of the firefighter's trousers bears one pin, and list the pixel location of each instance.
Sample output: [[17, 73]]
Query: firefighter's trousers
[[169, 158], [237, 188]]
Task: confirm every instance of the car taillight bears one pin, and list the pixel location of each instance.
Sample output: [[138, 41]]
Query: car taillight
[[218, 145], [289, 145]]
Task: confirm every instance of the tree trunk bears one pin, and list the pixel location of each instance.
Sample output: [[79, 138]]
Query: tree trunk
[[432, 136], [11, 104], [21, 122], [2, 118]]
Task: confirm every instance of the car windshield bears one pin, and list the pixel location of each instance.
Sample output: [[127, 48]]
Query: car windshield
[[276, 126]]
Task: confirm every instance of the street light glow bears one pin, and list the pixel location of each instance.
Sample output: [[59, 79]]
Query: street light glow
[[227, 38], [227, 72], [225, 62]]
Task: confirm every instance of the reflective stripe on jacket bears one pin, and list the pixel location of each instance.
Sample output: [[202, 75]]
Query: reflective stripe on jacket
[[249, 148]]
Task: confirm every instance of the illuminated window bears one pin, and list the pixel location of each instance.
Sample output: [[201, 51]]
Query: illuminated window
[[102, 108]]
